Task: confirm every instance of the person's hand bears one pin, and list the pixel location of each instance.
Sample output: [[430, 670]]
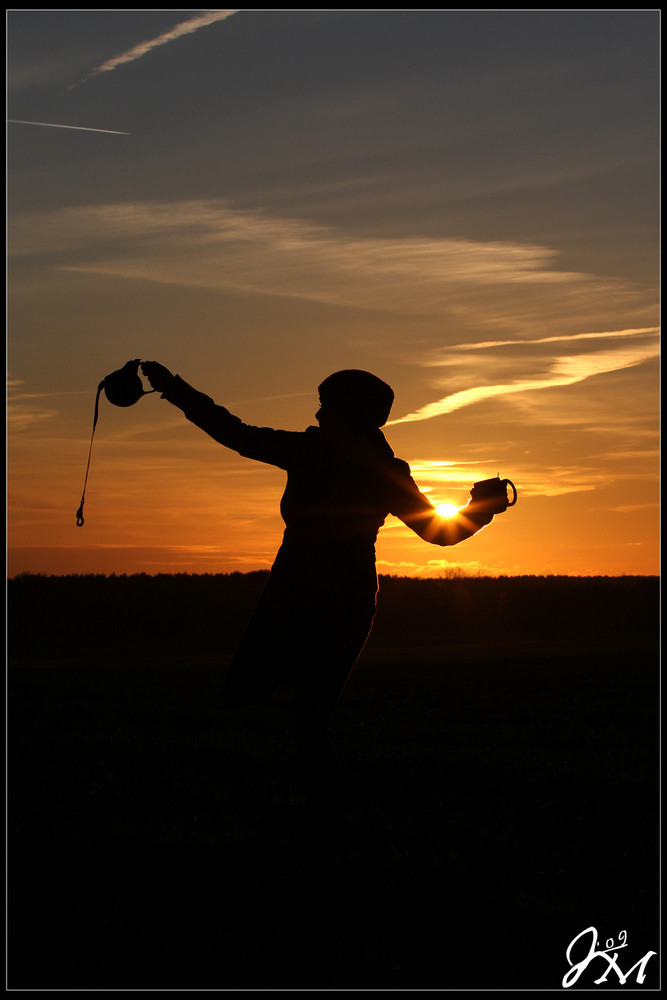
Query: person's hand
[[159, 377], [479, 511], [488, 498], [487, 505]]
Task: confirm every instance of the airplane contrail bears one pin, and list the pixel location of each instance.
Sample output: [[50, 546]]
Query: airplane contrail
[[184, 28], [79, 128]]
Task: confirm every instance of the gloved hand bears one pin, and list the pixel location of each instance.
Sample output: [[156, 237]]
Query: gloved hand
[[159, 377], [490, 496], [478, 511]]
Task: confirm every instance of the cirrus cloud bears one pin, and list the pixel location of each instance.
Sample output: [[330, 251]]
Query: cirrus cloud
[[467, 285], [565, 370], [178, 31]]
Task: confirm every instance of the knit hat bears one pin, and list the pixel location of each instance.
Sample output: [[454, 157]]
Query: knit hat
[[363, 398]]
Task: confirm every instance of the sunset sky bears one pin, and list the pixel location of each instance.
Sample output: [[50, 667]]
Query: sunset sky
[[463, 202]]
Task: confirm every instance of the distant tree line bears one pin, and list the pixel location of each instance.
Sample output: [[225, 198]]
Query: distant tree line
[[177, 614]]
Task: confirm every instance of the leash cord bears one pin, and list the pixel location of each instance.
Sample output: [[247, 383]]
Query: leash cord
[[79, 513]]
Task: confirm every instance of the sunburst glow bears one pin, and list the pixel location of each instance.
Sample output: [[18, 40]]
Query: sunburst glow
[[446, 509]]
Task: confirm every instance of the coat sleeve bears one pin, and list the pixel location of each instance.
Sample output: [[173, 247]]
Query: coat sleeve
[[417, 512], [264, 444]]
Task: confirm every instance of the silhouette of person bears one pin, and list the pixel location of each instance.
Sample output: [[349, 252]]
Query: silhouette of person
[[316, 611]]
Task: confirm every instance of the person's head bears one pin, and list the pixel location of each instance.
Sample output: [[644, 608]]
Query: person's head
[[356, 398]]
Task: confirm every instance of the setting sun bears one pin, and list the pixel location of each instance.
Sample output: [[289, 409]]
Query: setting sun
[[446, 509]]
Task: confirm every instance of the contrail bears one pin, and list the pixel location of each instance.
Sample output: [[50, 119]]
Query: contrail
[[79, 128], [184, 28], [482, 344]]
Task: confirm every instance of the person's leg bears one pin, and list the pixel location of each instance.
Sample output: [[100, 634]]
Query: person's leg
[[314, 703]]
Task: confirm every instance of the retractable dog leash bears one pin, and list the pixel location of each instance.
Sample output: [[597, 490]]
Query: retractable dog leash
[[122, 388]]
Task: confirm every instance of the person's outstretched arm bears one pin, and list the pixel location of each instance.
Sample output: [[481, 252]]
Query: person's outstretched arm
[[261, 443], [419, 514]]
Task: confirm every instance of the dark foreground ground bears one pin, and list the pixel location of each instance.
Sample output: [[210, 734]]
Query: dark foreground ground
[[500, 792]]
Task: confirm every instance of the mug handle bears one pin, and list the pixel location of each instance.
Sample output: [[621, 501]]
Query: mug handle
[[506, 483]]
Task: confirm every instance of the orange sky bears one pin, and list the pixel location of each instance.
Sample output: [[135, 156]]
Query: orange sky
[[492, 256]]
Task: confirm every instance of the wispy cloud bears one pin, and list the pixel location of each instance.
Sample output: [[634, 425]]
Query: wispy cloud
[[23, 412], [449, 481], [565, 370], [464, 286], [458, 287], [137, 51], [608, 334], [444, 568]]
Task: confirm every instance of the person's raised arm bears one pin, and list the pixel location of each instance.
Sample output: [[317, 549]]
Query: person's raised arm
[[261, 443], [418, 513]]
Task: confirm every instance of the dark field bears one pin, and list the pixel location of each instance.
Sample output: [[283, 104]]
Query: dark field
[[499, 744]]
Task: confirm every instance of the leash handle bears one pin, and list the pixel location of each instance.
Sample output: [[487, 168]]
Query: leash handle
[[79, 513]]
